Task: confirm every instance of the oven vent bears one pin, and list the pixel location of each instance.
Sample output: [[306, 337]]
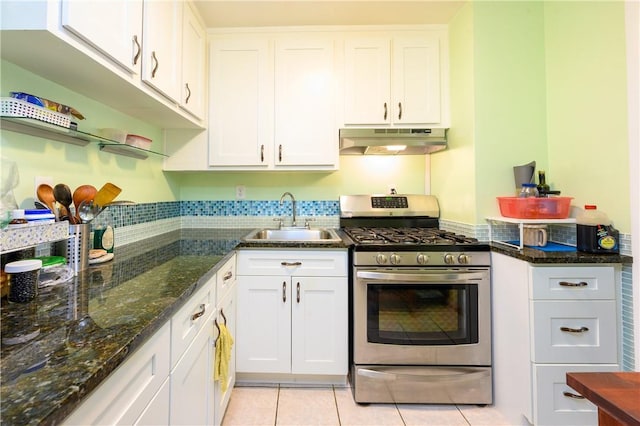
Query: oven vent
[[392, 141]]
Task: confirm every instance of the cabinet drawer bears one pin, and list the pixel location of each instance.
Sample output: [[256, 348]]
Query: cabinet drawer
[[225, 278], [579, 282], [286, 262], [551, 406], [574, 331], [186, 323]]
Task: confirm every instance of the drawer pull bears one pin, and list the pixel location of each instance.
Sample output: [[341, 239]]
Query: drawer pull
[[227, 276], [572, 395], [570, 284], [574, 330], [291, 263], [197, 315]]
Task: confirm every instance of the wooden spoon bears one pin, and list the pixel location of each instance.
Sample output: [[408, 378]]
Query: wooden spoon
[[45, 195], [83, 193], [62, 194]]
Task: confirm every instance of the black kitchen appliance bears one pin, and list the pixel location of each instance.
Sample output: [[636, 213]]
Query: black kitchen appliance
[[420, 317]]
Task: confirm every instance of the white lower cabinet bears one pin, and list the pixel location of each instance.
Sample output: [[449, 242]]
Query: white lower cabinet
[[548, 320], [169, 380], [226, 313], [292, 312], [192, 381], [138, 383]]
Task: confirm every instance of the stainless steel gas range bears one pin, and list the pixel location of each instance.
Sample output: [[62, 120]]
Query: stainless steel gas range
[[420, 304]]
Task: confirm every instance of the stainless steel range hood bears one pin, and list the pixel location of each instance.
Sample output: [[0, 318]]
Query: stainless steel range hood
[[392, 141]]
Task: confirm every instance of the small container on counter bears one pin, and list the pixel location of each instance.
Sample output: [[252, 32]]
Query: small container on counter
[[23, 279], [529, 190]]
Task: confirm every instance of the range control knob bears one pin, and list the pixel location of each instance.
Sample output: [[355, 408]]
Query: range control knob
[[422, 259], [395, 259], [464, 259], [449, 259], [381, 259]]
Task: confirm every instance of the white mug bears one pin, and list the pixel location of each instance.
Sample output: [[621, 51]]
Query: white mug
[[535, 235]]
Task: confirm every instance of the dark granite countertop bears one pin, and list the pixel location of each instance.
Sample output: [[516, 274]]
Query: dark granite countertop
[[58, 348], [538, 256]]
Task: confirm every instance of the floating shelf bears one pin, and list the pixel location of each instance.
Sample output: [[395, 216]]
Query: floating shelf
[[49, 131]]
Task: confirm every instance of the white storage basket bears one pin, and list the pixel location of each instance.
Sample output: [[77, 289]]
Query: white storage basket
[[11, 107]]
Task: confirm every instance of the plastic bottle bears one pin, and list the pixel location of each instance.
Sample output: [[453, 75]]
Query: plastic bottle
[[528, 190], [595, 232]]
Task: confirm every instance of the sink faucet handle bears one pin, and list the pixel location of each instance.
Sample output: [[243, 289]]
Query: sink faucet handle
[[307, 220], [280, 220]]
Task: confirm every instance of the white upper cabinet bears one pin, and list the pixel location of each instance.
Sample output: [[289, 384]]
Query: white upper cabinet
[[272, 102], [305, 124], [367, 90], [132, 48], [112, 27], [395, 79], [194, 42], [240, 103], [161, 43]]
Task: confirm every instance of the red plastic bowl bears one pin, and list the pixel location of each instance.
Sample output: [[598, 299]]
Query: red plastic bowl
[[535, 208]]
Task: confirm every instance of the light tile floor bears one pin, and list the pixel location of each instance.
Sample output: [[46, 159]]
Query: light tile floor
[[335, 406]]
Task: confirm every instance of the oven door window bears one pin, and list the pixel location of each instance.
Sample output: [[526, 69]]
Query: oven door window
[[422, 314]]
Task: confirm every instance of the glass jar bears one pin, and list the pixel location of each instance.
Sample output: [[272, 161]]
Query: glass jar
[[528, 190], [23, 279]]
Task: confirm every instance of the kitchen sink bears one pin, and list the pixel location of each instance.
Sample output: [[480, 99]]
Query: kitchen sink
[[288, 235]]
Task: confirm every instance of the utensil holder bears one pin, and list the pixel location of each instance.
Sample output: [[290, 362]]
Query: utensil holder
[[76, 247]]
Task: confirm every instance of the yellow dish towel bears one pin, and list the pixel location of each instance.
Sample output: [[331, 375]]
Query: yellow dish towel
[[223, 356]]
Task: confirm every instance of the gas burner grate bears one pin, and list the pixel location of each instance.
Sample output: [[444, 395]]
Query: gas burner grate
[[407, 236]]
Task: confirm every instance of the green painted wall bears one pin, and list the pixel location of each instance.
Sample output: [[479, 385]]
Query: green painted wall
[[541, 81], [453, 171], [497, 106], [140, 180], [587, 105], [357, 175]]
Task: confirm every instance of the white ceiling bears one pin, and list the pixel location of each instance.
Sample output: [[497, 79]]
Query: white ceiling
[[260, 13]]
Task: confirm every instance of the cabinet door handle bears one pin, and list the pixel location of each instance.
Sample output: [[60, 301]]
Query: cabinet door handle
[[291, 263], [298, 292], [136, 56], [385, 111], [227, 276], [284, 291], [399, 110], [156, 64], [262, 153], [574, 330], [280, 153], [570, 284], [186, 101], [572, 395], [197, 315]]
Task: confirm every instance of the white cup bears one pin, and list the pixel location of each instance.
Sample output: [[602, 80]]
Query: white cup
[[535, 235]]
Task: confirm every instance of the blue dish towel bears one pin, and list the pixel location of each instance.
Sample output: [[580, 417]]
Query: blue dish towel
[[551, 246]]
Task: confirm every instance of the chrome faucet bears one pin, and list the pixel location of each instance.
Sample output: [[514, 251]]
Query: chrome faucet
[[293, 206]]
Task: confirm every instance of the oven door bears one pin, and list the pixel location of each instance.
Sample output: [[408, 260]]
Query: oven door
[[422, 316]]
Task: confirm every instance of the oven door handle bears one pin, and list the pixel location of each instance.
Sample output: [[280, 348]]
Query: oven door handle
[[437, 277], [460, 373]]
